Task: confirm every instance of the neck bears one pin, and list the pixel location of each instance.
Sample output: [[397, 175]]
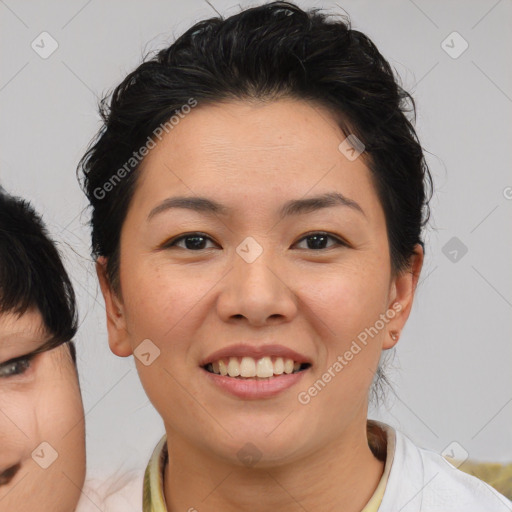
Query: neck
[[342, 475]]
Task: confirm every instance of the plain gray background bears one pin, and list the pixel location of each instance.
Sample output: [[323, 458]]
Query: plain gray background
[[452, 370]]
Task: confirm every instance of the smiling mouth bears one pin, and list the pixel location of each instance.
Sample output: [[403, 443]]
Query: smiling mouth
[[248, 368]]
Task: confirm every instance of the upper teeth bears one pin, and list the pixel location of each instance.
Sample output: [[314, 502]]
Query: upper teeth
[[250, 367]]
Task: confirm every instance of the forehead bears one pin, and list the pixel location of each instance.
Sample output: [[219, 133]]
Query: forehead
[[238, 133], [30, 322], [240, 150], [27, 329]]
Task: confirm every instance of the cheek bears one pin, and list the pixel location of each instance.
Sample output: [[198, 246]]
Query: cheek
[[168, 304], [18, 425], [345, 304], [348, 298], [23, 399], [60, 417], [41, 412], [47, 410], [160, 298], [59, 407]]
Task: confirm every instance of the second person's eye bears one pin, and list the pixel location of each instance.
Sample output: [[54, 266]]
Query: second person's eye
[[15, 367]]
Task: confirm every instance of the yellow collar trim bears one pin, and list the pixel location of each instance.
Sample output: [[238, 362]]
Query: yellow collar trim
[[153, 499]]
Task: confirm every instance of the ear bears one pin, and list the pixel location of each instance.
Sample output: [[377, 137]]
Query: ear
[[401, 295], [118, 338]]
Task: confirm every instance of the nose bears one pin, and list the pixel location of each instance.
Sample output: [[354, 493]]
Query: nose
[[257, 292]]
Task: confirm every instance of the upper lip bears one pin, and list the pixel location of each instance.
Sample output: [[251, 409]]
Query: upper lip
[[256, 352]]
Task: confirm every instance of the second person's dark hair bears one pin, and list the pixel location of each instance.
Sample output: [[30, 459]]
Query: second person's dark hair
[[32, 274]]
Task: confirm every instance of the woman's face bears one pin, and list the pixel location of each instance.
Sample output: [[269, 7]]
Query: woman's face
[[42, 440], [253, 273]]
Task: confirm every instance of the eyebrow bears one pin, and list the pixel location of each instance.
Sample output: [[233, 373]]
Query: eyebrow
[[292, 207]]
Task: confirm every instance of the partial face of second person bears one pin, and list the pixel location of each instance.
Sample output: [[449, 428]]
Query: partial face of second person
[[192, 297], [42, 439]]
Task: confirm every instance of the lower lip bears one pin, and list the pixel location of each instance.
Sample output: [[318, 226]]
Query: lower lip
[[250, 389]]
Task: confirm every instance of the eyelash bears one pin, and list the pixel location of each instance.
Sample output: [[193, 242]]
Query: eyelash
[[173, 242], [15, 367]]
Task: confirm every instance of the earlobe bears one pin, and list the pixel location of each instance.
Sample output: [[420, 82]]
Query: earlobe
[[118, 338], [402, 293]]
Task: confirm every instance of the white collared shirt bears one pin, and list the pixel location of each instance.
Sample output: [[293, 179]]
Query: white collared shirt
[[414, 480]]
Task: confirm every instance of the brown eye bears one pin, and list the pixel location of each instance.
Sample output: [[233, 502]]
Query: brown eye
[[191, 242], [318, 241]]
